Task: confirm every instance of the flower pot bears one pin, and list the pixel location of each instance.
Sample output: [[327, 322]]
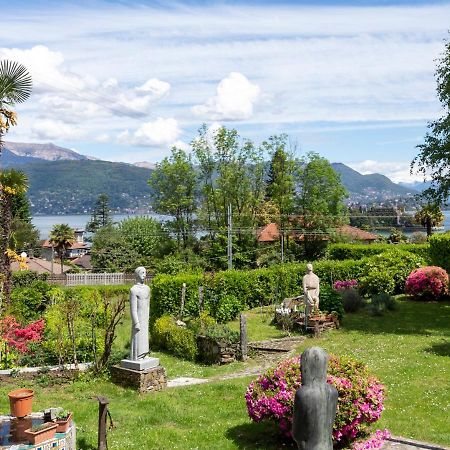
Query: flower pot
[[47, 432], [64, 424], [21, 402]]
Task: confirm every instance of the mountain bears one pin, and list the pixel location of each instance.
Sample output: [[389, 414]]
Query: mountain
[[48, 152], [419, 186], [145, 164], [374, 186], [10, 159]]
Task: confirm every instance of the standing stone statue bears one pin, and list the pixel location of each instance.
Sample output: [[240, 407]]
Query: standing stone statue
[[311, 288], [315, 403], [140, 311]]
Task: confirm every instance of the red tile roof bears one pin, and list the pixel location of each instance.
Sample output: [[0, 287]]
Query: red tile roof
[[357, 233], [75, 245]]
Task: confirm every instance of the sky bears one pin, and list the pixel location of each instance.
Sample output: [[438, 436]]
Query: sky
[[127, 80]]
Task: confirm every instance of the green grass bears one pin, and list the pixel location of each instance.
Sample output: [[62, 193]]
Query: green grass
[[408, 350]]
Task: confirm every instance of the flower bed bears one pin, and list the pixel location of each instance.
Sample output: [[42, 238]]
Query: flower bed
[[360, 402], [427, 283]]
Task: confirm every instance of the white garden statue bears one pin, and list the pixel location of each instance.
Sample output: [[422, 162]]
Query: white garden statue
[[311, 289]]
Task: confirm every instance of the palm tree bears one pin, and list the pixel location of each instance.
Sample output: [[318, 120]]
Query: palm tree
[[12, 182], [62, 237], [429, 216], [15, 87]]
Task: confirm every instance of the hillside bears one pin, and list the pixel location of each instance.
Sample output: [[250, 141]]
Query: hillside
[[374, 186], [64, 187]]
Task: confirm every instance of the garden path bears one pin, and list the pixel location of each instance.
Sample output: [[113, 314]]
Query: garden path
[[399, 443]]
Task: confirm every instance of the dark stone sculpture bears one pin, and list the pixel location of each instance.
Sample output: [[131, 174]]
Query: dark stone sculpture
[[315, 403]]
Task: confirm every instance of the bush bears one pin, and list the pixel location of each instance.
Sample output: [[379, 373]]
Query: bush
[[440, 250], [357, 251], [381, 303], [226, 308], [221, 333], [427, 283], [360, 402], [330, 301], [388, 271], [351, 300], [24, 278], [180, 341]]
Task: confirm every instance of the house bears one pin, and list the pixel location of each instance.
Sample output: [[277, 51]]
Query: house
[[83, 262], [40, 266], [77, 249], [355, 234]]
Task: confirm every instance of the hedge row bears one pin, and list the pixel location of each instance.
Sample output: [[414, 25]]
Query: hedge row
[[440, 250], [249, 288], [341, 252]]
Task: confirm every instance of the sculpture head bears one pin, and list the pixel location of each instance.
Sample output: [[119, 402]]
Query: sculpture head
[[313, 367], [140, 273], [309, 268]]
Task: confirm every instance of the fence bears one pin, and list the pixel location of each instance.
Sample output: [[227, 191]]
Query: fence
[[92, 279]]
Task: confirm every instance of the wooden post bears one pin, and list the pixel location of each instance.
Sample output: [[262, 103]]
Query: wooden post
[[102, 413], [183, 298], [243, 336], [200, 299]]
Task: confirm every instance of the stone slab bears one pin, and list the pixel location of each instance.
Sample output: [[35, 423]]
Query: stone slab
[[148, 380], [400, 443], [186, 381], [142, 364]]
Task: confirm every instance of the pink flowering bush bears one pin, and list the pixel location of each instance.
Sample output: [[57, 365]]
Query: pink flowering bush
[[427, 283], [360, 402], [375, 441], [18, 337], [344, 285]]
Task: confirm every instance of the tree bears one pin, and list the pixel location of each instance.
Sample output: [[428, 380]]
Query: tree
[[101, 215], [173, 184], [430, 216], [319, 201], [13, 182], [434, 154], [62, 237], [15, 87]]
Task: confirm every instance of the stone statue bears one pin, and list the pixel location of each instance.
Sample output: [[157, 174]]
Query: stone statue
[[315, 403], [140, 311], [311, 288]]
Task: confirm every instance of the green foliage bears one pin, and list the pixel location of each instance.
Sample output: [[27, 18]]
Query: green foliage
[[430, 216], [24, 236], [221, 333], [331, 301], [179, 341], [351, 300], [101, 215], [396, 236], [388, 271], [381, 303], [198, 324], [440, 250], [24, 278], [358, 251], [246, 289]]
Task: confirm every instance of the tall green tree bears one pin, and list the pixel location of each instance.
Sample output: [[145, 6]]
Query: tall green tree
[[62, 237], [15, 87], [174, 185], [13, 182], [101, 214], [433, 159], [320, 201], [429, 216]]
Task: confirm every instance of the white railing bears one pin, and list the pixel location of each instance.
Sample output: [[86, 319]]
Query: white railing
[[91, 279]]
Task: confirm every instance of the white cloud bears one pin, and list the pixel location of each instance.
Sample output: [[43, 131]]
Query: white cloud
[[160, 133], [154, 86], [398, 172], [234, 99], [49, 130]]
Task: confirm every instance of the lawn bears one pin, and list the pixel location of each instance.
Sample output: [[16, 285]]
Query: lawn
[[408, 350]]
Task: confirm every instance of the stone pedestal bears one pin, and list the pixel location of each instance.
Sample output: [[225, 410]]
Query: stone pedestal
[[147, 380], [141, 364]]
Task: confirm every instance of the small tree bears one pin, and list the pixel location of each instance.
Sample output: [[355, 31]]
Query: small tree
[[429, 216], [62, 237], [101, 215]]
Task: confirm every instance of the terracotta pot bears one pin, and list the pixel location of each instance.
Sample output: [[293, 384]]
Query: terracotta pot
[[21, 402], [37, 437], [64, 424]]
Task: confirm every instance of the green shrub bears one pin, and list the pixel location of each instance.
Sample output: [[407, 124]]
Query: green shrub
[[221, 333], [357, 251], [388, 271], [198, 324], [24, 278], [180, 341], [330, 301], [226, 308], [381, 303], [440, 250], [351, 300]]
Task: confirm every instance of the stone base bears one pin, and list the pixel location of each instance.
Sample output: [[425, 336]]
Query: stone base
[[142, 364], [148, 380]]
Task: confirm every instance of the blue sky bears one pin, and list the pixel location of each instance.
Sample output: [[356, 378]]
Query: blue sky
[[126, 80]]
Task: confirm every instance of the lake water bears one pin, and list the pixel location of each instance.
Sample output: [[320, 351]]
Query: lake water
[[45, 223]]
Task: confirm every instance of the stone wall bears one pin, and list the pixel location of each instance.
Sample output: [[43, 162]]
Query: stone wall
[[211, 351], [148, 380]]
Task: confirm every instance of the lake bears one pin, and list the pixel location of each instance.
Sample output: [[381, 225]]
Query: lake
[[45, 223]]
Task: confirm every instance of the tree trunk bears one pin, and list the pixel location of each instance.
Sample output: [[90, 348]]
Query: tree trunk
[[428, 224], [5, 267]]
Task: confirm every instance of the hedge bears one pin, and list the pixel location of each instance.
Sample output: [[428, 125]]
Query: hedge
[[251, 288], [440, 250], [341, 252]]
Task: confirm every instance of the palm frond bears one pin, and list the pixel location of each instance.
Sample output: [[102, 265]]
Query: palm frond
[[15, 82]]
